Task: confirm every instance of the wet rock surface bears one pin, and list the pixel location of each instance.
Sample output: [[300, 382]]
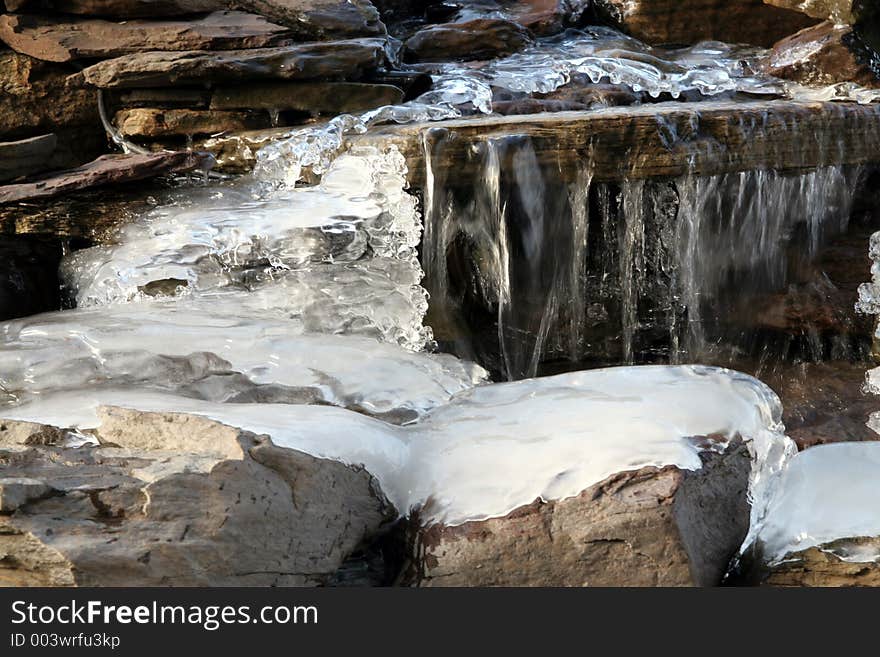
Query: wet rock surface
[[685, 22], [472, 40], [651, 527], [176, 500]]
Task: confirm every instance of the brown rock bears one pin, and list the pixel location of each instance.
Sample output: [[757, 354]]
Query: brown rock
[[237, 152], [484, 38], [838, 11], [27, 156], [38, 97], [54, 40], [691, 21], [320, 19], [652, 527], [822, 55], [182, 501], [822, 567], [313, 97], [175, 97], [338, 60], [546, 17], [123, 9], [106, 170], [153, 123]]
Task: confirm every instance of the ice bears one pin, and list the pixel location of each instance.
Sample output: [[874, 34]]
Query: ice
[[826, 493], [198, 352], [497, 447]]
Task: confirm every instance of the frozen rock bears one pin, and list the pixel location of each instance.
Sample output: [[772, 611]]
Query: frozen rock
[[485, 38], [174, 500], [820, 525]]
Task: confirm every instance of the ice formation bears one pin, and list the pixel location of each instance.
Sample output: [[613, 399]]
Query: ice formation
[[825, 494], [497, 447]]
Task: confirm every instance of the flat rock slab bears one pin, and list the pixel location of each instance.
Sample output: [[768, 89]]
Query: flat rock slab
[[106, 170], [652, 141], [313, 97], [26, 156], [123, 9], [651, 527], [57, 40], [337, 60], [176, 500], [154, 123], [692, 21], [484, 38]]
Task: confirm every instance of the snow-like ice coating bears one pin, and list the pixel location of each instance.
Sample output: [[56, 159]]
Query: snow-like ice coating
[[497, 447], [825, 494]]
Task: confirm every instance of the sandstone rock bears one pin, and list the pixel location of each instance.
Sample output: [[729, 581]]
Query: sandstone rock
[[838, 11], [15, 492], [313, 97], [823, 567], [35, 96], [320, 19], [106, 170], [546, 17], [182, 501], [652, 527], [338, 60], [54, 40], [477, 39], [122, 9], [26, 156], [691, 21], [177, 97], [822, 55], [153, 123], [237, 152]]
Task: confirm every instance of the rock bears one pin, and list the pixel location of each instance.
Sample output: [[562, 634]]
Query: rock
[[320, 19], [838, 11], [691, 21], [176, 97], [122, 9], [484, 38], [153, 123], [29, 281], [820, 566], [313, 97], [27, 156], [106, 170], [180, 500], [823, 55], [54, 40], [237, 152], [651, 527], [338, 60], [16, 492], [546, 17], [39, 97]]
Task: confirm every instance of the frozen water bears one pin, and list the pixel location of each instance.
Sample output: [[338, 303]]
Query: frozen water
[[222, 356], [826, 493], [495, 448]]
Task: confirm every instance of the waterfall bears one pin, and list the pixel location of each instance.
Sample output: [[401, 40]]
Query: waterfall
[[556, 265]]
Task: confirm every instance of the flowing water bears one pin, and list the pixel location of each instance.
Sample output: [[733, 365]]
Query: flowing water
[[266, 301]]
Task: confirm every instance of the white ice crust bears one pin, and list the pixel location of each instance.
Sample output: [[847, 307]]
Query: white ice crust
[[497, 447], [826, 493]]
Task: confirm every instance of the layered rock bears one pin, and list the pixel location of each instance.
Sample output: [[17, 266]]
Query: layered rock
[[152, 123], [339, 60], [106, 170], [471, 40], [823, 55], [691, 21], [20, 158], [330, 98], [55, 39], [650, 527], [840, 12], [175, 500]]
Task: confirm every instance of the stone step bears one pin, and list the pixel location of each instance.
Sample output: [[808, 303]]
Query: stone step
[[652, 141]]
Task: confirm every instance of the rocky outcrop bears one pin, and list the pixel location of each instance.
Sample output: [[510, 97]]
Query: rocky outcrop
[[57, 39], [176, 500], [651, 527], [106, 170], [484, 38], [691, 21], [339, 60], [822, 55]]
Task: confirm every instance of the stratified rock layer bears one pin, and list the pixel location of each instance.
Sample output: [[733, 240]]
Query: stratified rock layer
[[174, 500], [651, 527]]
